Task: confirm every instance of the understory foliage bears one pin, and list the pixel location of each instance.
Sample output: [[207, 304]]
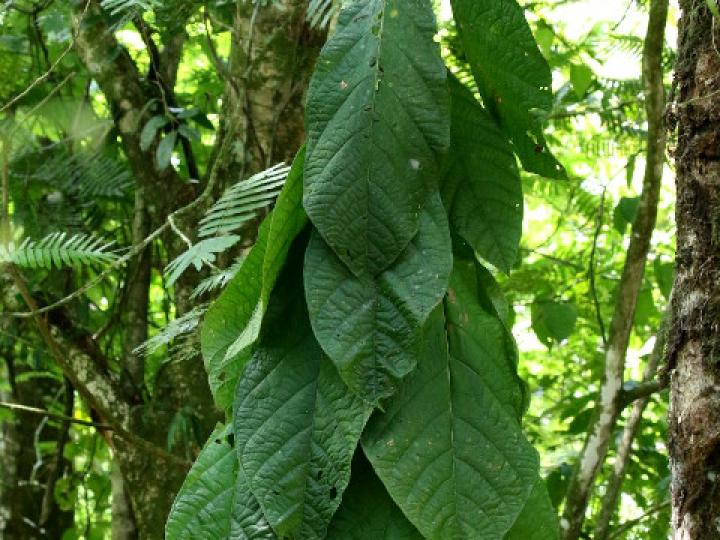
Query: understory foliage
[[363, 350], [402, 329]]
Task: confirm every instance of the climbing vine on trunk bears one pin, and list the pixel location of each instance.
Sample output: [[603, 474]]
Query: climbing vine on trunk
[[362, 351]]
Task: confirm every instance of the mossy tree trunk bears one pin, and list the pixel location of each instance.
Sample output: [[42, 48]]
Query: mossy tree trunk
[[694, 341]]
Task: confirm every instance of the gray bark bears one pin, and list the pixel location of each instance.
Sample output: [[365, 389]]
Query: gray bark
[[610, 403]]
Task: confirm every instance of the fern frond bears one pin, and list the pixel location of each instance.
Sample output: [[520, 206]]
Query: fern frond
[[59, 250], [178, 327], [242, 202], [117, 7], [88, 176], [200, 254], [218, 279], [320, 12]]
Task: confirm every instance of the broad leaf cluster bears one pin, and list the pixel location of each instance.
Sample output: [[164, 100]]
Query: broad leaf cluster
[[362, 348]]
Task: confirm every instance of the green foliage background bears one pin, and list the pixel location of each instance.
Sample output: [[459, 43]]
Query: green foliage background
[[68, 175]]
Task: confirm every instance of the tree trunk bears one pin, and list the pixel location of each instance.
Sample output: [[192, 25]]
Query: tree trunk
[[694, 340]]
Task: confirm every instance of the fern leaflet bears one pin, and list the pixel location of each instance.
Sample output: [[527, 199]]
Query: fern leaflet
[[59, 250], [242, 202]]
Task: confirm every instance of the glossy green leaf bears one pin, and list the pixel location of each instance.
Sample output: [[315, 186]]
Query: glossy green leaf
[[369, 326], [645, 308], [538, 520], [553, 322], [624, 213], [376, 122], [557, 483], [482, 186], [150, 129], [214, 502], [512, 75], [232, 323], [296, 424], [449, 448], [664, 276], [164, 150], [189, 133], [581, 78], [367, 512]]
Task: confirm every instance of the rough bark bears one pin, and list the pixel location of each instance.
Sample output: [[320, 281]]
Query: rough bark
[[610, 403], [694, 340]]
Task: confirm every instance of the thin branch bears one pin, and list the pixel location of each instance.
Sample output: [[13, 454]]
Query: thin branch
[[642, 391], [609, 408], [591, 269], [625, 527], [58, 467], [652, 382], [55, 416], [45, 75]]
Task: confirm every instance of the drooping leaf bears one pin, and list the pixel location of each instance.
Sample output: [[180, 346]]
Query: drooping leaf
[[165, 149], [645, 308], [296, 424], [557, 483], [624, 213], [150, 129], [188, 132], [482, 187], [214, 502], [369, 326], [512, 75], [538, 520], [367, 512], [664, 276], [630, 170], [232, 323], [553, 322], [449, 448], [376, 122]]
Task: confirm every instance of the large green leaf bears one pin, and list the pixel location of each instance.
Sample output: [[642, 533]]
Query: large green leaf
[[512, 75], [538, 520], [369, 326], [449, 447], [377, 118], [214, 502], [296, 424], [553, 322], [482, 185], [367, 512], [232, 323]]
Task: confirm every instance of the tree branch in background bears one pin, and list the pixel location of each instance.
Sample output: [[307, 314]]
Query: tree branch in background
[[55, 416], [625, 527], [591, 268], [104, 397], [632, 427], [610, 404], [58, 467]]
